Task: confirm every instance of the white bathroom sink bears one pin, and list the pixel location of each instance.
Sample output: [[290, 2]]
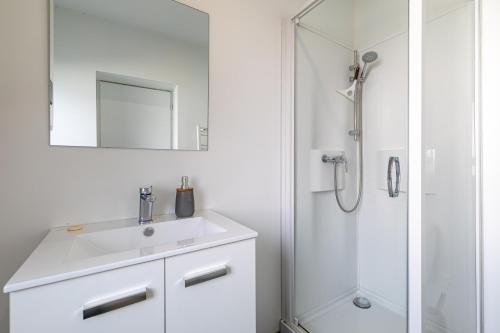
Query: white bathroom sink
[[97, 247], [181, 232]]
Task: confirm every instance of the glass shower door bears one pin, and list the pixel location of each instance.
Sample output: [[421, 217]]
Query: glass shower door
[[449, 173], [341, 256]]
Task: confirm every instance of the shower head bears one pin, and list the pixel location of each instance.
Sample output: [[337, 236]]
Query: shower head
[[367, 58]]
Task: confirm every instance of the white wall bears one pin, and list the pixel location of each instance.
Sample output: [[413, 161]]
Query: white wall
[[44, 186], [491, 161], [135, 52], [377, 20]]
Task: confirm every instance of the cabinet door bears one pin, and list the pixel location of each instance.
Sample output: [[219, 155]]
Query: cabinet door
[[211, 290], [123, 300]]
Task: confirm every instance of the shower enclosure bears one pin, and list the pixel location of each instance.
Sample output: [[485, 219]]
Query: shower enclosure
[[380, 220]]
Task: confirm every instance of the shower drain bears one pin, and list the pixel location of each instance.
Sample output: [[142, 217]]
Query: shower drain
[[362, 302]]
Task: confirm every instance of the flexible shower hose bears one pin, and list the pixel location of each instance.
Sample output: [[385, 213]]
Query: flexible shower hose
[[358, 110]]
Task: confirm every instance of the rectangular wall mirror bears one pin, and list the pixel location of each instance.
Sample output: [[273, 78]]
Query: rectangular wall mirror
[[128, 74]]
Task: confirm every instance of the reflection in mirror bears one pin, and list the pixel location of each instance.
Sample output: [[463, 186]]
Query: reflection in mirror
[[128, 74]]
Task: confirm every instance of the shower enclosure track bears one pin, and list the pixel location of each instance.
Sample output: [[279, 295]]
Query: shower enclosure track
[[306, 10]]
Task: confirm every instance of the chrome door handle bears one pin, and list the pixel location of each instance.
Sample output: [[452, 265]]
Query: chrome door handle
[[194, 279], [130, 298], [393, 161]]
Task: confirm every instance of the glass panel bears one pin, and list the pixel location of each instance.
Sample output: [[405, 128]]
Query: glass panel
[[361, 127], [448, 195]]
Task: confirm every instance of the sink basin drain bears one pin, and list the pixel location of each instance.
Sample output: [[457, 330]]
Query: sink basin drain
[[148, 232]]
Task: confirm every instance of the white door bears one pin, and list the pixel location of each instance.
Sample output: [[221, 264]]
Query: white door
[[134, 117]]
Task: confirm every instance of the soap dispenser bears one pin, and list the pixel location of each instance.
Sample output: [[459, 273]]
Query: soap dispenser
[[184, 200]]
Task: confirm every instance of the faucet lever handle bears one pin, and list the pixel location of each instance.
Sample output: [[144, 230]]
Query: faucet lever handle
[[146, 190]]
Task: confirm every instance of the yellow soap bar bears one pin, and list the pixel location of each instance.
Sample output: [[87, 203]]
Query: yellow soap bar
[[77, 227]]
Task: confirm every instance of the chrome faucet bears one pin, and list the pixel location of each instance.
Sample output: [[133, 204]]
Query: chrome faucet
[[146, 200]]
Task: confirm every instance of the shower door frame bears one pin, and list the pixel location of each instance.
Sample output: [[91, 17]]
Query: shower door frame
[[415, 135]]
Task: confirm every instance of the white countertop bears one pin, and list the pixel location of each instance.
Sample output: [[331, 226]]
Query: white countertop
[[51, 261]]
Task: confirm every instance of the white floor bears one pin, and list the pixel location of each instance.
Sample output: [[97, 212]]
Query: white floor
[[347, 318]]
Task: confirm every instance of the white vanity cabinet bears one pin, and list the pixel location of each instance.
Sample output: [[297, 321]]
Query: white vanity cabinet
[[173, 275], [211, 290], [124, 300]]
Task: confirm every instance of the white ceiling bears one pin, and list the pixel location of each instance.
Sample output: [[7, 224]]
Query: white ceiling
[[164, 16]]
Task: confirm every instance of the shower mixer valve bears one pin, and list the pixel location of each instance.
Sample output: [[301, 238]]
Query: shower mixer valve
[[338, 159]]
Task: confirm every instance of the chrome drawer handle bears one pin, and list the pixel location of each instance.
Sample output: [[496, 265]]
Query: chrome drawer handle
[[115, 304], [191, 280], [393, 161]]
